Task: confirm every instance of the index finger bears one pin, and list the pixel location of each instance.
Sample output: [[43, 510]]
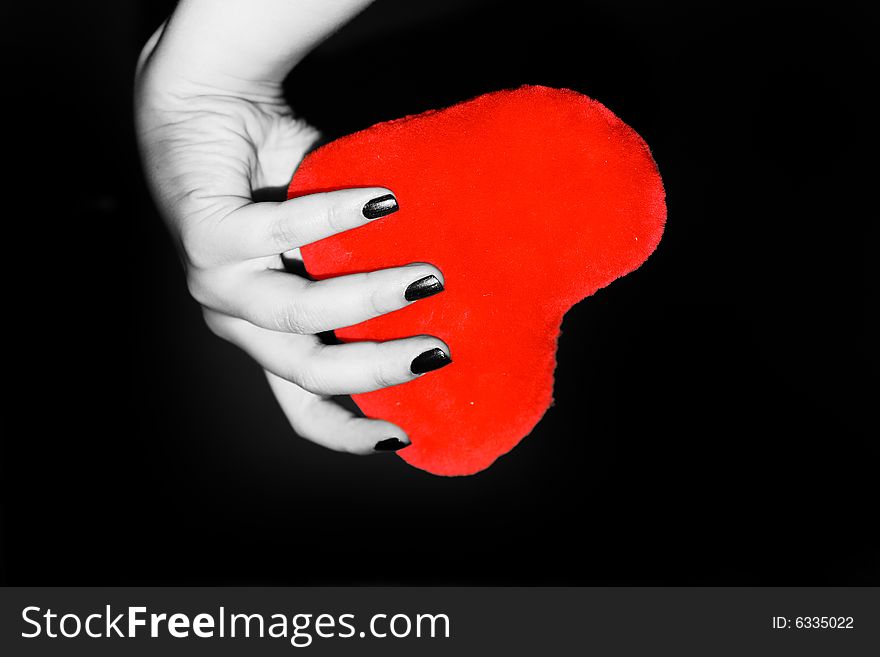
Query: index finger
[[263, 229]]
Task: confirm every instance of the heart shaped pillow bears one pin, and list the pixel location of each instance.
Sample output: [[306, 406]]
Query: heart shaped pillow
[[528, 201]]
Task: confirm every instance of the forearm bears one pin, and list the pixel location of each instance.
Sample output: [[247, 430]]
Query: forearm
[[246, 45]]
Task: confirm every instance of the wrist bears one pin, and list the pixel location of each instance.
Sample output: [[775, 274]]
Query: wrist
[[245, 47], [169, 73]]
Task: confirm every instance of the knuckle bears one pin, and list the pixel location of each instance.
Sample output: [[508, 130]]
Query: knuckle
[[377, 304], [289, 319], [379, 299], [383, 374], [284, 233], [335, 218], [305, 379], [310, 377], [195, 284], [382, 378], [214, 324], [193, 243]]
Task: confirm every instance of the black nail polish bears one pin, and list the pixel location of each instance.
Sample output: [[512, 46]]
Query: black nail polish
[[429, 361], [390, 445], [422, 288], [381, 206]]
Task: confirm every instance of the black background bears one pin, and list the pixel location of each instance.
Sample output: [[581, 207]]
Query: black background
[[713, 409]]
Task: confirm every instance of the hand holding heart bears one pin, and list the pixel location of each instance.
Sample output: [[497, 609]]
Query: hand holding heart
[[505, 210], [214, 130]]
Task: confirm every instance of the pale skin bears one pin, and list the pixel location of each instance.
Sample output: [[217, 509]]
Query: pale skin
[[213, 128]]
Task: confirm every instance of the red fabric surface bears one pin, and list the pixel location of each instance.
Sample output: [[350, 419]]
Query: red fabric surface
[[528, 201]]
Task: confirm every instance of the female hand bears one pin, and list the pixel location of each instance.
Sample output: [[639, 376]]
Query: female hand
[[214, 130]]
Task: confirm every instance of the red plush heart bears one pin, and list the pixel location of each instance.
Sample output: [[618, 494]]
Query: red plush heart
[[528, 201]]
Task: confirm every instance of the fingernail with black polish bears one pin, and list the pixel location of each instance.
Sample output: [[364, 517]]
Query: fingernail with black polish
[[381, 206], [429, 361], [422, 288], [390, 445]]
